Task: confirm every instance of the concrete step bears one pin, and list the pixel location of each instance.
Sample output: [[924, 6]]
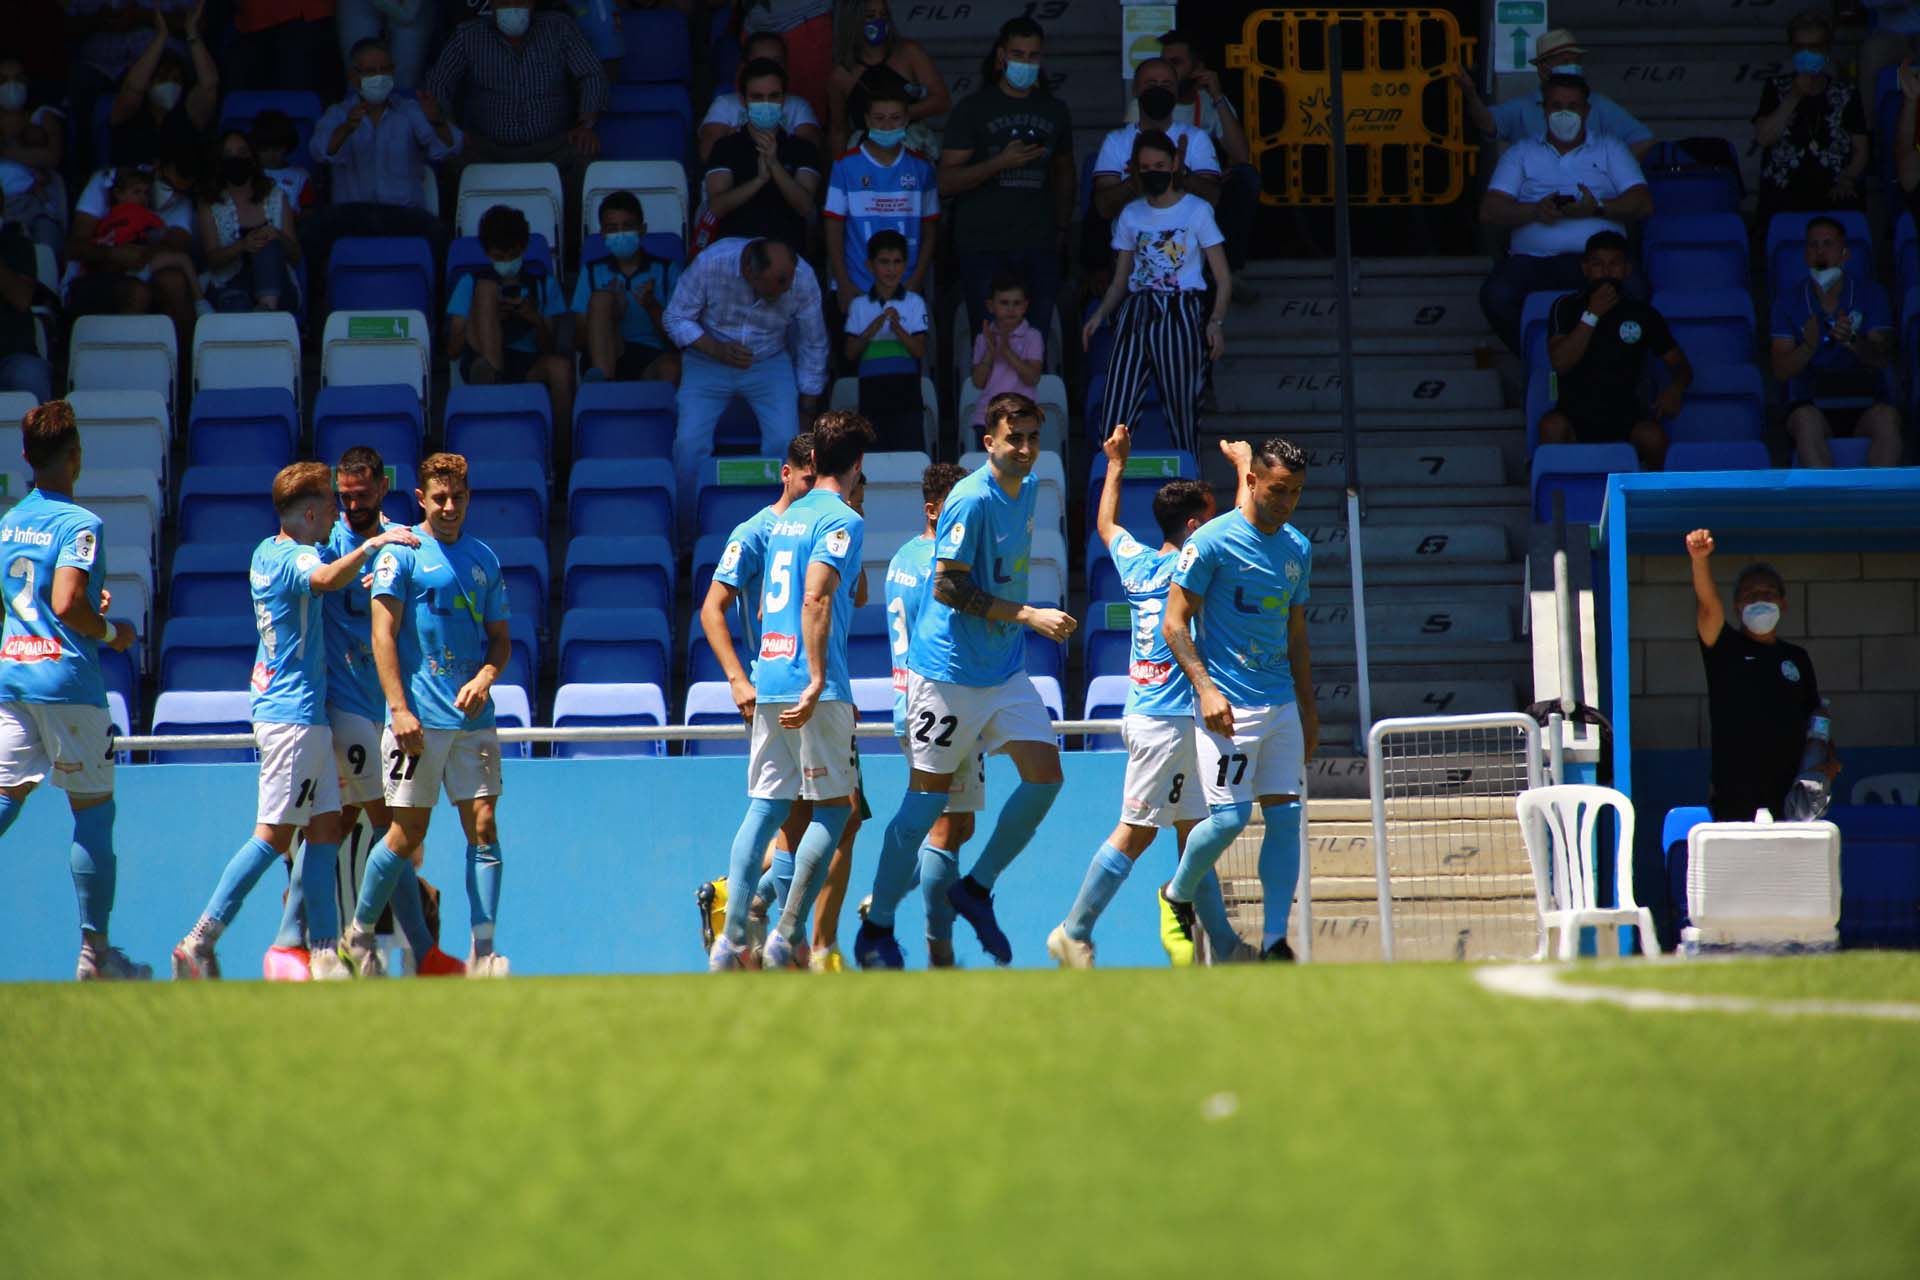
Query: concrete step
[[1349, 932], [1395, 504], [957, 34], [1419, 446], [1339, 699], [1373, 274], [1731, 74], [1278, 386], [1415, 350], [1409, 624], [1306, 311], [1411, 544]]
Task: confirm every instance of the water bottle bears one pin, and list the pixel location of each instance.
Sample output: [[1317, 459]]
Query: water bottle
[[1811, 792]]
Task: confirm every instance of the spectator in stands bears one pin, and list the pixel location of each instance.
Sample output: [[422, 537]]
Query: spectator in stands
[[621, 301], [1555, 192], [729, 110], [807, 28], [1202, 103], [1906, 150], [1006, 166], [246, 233], [274, 138], [378, 148], [1761, 690], [529, 88], [124, 279], [1894, 39], [1160, 242], [1833, 348], [111, 35], [34, 137], [1155, 95], [1599, 342], [729, 317], [761, 180], [22, 368], [155, 108], [1009, 354], [1556, 53], [880, 185], [1811, 129], [887, 344], [500, 318], [283, 44], [130, 220], [405, 28], [868, 39]]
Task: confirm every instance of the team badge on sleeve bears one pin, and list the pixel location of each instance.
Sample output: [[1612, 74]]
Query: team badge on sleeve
[[306, 562], [1188, 555], [957, 537], [383, 573], [730, 558], [1126, 546], [84, 546], [839, 542]]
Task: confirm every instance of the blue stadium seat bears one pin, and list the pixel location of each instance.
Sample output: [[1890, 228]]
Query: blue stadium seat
[[240, 106], [1045, 657], [1535, 315], [509, 500], [524, 565], [1150, 429], [1580, 472], [869, 643], [737, 431], [399, 505], [386, 419], [701, 663], [1724, 402], [706, 559], [1109, 638], [595, 705], [227, 504], [1847, 451], [505, 423], [1106, 699], [645, 122], [1718, 455], [731, 489], [620, 573], [209, 580], [512, 709], [1541, 395], [613, 646], [622, 498], [120, 672], [465, 256], [382, 273], [1695, 251], [1713, 326], [1688, 191], [205, 653], [178, 711], [253, 426], [1103, 580], [1887, 100], [1906, 256], [1787, 239], [712, 703], [1146, 472], [624, 419], [658, 51], [523, 657]]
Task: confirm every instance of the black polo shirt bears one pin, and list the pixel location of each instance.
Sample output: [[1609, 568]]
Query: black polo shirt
[[1611, 380], [767, 213], [1759, 697]]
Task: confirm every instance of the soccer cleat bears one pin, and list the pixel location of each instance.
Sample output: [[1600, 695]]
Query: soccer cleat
[[975, 905], [940, 954], [195, 960], [360, 949], [1278, 953], [286, 964], [1177, 926], [109, 964], [724, 957], [711, 898], [490, 965], [438, 964], [1071, 953], [780, 953], [876, 948], [827, 961], [325, 965]]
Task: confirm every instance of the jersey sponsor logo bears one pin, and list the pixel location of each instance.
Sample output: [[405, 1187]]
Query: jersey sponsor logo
[[901, 578], [1150, 673], [839, 542], [786, 528], [82, 548], [1629, 331], [885, 204], [899, 679], [1262, 605], [775, 645], [730, 558], [32, 537], [262, 677], [1790, 670], [31, 649]]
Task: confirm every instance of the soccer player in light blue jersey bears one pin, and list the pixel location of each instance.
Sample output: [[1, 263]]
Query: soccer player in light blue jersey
[[1243, 578], [440, 640], [299, 781], [967, 686], [803, 744], [53, 703]]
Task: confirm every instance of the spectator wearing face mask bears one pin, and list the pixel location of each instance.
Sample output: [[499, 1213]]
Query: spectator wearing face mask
[[881, 185], [1116, 185], [106, 38], [867, 39], [155, 108], [729, 110], [761, 181], [807, 28], [21, 366], [1833, 348], [1811, 129], [32, 137], [406, 28], [246, 232], [1556, 53]]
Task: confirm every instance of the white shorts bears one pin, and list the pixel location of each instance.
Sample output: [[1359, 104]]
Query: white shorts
[[947, 724], [298, 777], [66, 742], [467, 761], [1266, 756], [817, 761], [968, 794], [356, 750], [1163, 773]]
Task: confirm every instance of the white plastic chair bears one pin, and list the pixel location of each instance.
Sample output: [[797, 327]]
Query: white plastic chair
[[15, 405], [377, 348], [1561, 826], [596, 703], [1050, 697], [659, 185], [245, 351], [1888, 788], [124, 353], [129, 428], [128, 504], [533, 189], [132, 596]]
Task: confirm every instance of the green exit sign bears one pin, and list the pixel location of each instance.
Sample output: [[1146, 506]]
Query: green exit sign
[[1526, 11], [1153, 466], [376, 328], [746, 471]]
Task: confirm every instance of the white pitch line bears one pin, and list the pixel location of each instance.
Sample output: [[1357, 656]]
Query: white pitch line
[[1544, 982]]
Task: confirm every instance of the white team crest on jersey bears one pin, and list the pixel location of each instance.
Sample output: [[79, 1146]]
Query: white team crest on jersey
[[1126, 546], [1790, 670], [1629, 331], [839, 541], [1293, 572], [306, 562], [730, 558], [957, 537], [83, 546], [479, 576], [384, 572], [1188, 554]]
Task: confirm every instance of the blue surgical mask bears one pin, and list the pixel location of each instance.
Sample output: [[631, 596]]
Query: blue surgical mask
[[375, 90], [623, 244], [764, 115], [507, 270], [1567, 69], [1809, 62], [886, 137], [1022, 75], [1760, 617], [13, 95], [875, 30], [513, 23]]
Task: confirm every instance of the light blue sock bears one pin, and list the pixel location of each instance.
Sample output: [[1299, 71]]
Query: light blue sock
[[376, 884], [243, 871], [1105, 874], [95, 869], [809, 872], [1211, 906], [763, 819], [293, 913], [1279, 868], [937, 871], [410, 911], [918, 811], [314, 877], [1019, 817], [1205, 844], [483, 893], [768, 887], [9, 810], [781, 869]]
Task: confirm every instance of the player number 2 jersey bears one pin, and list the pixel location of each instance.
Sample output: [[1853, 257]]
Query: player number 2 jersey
[[909, 588], [818, 529], [40, 659], [289, 684], [1156, 686], [1248, 583], [451, 593], [992, 534]]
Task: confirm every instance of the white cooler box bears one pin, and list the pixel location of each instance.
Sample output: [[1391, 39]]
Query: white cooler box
[[1763, 885]]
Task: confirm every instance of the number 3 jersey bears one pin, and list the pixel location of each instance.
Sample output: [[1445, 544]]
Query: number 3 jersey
[[1156, 686], [41, 660], [818, 529], [1248, 582], [450, 593], [909, 587], [289, 682]]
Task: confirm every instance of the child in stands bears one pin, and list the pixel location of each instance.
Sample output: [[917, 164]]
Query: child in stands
[[1009, 354], [274, 139], [887, 341]]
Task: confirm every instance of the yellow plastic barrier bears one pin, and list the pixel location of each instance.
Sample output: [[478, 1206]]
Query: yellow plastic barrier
[[1405, 116]]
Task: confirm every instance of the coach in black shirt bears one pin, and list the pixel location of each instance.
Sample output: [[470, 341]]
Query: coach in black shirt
[[1599, 342], [761, 180], [1761, 690]]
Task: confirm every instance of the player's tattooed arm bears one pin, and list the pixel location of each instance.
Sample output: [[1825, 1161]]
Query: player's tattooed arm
[[1176, 628], [953, 586]]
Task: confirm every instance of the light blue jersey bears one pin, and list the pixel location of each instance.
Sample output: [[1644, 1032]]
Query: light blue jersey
[[992, 534], [40, 659], [818, 529], [909, 588], [450, 594], [352, 683], [1156, 684], [740, 567], [1248, 583], [289, 682]]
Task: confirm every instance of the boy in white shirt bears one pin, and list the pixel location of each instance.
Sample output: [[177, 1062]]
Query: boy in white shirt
[[887, 342]]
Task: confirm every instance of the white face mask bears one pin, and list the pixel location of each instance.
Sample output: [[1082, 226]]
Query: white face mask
[[1567, 69], [13, 95], [375, 89], [165, 94], [513, 23], [1760, 617], [1826, 277], [1565, 126]]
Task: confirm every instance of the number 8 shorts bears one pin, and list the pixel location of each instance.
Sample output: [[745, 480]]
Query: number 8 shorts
[[1265, 757], [949, 724], [1163, 776], [808, 763], [298, 777], [467, 761]]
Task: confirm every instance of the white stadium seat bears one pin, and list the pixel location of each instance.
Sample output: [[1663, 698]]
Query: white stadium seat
[[893, 492], [660, 185], [14, 406], [247, 351], [128, 504], [128, 428], [377, 348], [124, 353], [512, 709], [533, 189], [1050, 394], [591, 704]]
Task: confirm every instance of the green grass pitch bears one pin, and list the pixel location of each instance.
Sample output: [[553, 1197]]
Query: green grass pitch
[[1344, 1121]]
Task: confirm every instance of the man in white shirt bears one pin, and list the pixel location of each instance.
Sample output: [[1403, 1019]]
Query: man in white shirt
[[1556, 53], [1554, 192], [729, 110], [1155, 100]]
